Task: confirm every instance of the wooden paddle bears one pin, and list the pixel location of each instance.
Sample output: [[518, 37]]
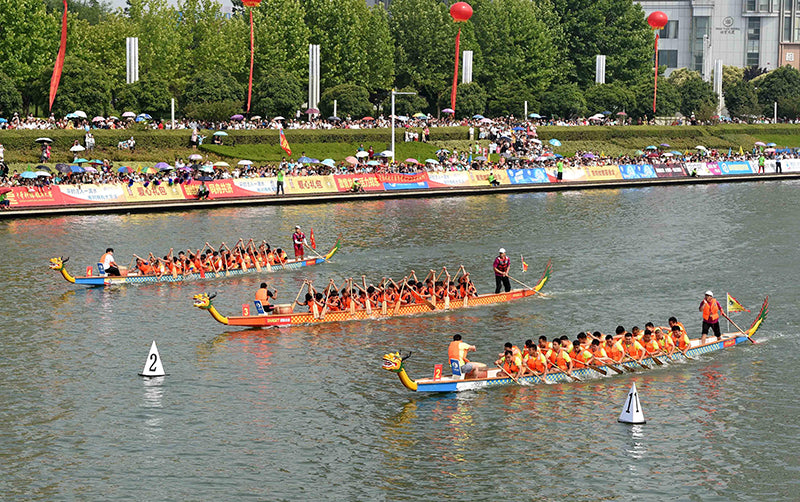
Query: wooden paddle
[[447, 290], [384, 307], [597, 368], [298, 295], [400, 296], [367, 303], [557, 368], [327, 293], [643, 365], [352, 299], [736, 326], [614, 368], [526, 286], [314, 307], [314, 251]]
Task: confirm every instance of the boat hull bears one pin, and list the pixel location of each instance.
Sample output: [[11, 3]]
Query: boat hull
[[343, 316], [448, 384], [107, 280]]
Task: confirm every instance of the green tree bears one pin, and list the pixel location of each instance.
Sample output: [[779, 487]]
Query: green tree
[[470, 99], [777, 85], [517, 44], [210, 40], [406, 104], [216, 110], [731, 75], [616, 28], [29, 39], [425, 35], [92, 11], [10, 98], [281, 37], [213, 86], [380, 62], [279, 93], [508, 98], [84, 86], [695, 93], [789, 107], [351, 100], [741, 99], [668, 103], [614, 97], [565, 101]]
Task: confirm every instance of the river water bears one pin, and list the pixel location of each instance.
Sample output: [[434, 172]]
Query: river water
[[307, 412]]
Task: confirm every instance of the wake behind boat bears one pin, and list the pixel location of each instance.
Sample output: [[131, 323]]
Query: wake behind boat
[[258, 265], [382, 307], [394, 362]]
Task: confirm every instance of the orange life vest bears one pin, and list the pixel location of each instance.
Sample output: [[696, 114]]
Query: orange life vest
[[711, 311]]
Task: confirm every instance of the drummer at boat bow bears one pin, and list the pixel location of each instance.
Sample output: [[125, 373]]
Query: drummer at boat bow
[[263, 295], [458, 350], [710, 308], [109, 265], [501, 265]]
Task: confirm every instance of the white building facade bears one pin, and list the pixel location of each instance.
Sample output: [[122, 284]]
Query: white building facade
[[762, 33]]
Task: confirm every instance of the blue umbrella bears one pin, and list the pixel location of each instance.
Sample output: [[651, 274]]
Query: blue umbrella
[[304, 160], [558, 156], [220, 133], [329, 162], [555, 142], [76, 169], [772, 144], [606, 112], [144, 116], [651, 147], [518, 128], [80, 161], [3, 121], [477, 116], [28, 174], [534, 116], [373, 163]]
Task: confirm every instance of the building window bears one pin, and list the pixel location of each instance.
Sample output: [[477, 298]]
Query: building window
[[668, 58], [701, 27], [797, 32], [670, 30], [787, 29], [751, 5], [753, 40]]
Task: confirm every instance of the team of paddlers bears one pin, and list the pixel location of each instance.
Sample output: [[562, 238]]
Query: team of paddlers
[[589, 349], [351, 295], [242, 256]]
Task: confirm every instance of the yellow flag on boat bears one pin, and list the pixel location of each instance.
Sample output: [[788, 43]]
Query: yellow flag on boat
[[524, 265], [735, 306], [741, 152]]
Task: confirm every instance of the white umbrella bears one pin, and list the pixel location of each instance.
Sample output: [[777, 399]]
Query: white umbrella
[[79, 113], [701, 147], [362, 154], [77, 148], [667, 154], [44, 140], [537, 141], [113, 118], [255, 117], [221, 164], [128, 115], [278, 118], [386, 153], [244, 162], [42, 173], [195, 156]]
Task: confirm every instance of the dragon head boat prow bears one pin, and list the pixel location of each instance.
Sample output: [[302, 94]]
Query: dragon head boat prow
[[57, 264], [394, 363], [203, 301]]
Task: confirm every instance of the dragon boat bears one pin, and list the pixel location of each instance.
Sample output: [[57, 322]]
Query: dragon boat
[[58, 264], [289, 318], [394, 362]]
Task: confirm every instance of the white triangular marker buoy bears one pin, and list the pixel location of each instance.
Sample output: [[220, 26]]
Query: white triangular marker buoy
[[632, 410], [153, 366]]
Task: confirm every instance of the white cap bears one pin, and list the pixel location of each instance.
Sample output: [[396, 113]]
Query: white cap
[[502, 250], [709, 293], [297, 227]]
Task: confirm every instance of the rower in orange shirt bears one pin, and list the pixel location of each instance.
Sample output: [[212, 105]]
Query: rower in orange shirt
[[511, 364], [263, 295], [633, 349], [650, 344], [665, 343], [599, 353], [581, 357], [681, 339], [534, 362]]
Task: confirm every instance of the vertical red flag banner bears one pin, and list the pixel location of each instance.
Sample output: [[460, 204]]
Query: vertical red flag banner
[[311, 238], [285, 144], [59, 66], [460, 12], [657, 20], [250, 3]]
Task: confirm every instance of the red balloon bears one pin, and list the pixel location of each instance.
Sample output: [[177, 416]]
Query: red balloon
[[657, 20], [461, 11], [251, 3]]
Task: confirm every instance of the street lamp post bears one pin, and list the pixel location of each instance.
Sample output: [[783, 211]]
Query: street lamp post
[[396, 93]]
